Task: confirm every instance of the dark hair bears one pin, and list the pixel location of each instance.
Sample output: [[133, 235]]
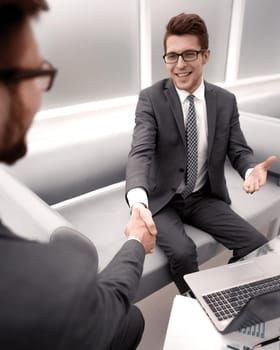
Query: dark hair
[[13, 12], [187, 24]]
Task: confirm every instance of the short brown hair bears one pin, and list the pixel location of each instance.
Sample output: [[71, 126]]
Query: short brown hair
[[187, 24], [13, 11]]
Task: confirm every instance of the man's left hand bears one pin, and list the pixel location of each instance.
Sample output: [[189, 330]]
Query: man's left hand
[[258, 176]]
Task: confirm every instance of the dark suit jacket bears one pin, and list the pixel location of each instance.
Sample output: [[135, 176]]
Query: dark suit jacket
[[52, 296], [157, 158]]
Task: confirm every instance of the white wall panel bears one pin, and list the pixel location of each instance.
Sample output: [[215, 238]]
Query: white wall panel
[[95, 45], [260, 48], [217, 16]]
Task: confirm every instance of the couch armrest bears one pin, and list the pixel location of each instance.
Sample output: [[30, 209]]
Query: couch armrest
[[262, 134]]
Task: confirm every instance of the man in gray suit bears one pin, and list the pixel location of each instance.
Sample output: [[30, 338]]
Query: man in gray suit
[[53, 295], [185, 128]]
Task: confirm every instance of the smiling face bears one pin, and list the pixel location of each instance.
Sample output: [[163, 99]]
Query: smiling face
[[186, 75]]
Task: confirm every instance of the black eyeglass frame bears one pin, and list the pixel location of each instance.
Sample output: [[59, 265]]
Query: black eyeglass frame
[[197, 52], [15, 74]]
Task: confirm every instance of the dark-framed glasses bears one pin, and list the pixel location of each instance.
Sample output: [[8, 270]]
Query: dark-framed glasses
[[187, 56], [44, 76]]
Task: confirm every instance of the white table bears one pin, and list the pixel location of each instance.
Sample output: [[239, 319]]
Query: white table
[[189, 328]]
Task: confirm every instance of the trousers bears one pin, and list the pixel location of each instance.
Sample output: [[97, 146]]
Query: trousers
[[209, 214]]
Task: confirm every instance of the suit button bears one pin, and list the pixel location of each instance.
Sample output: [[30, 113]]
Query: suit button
[[181, 170], [173, 189]]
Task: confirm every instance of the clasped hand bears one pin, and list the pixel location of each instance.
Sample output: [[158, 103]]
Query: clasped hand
[[141, 226]]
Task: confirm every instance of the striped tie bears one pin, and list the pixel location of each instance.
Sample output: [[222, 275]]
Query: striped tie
[[191, 148]]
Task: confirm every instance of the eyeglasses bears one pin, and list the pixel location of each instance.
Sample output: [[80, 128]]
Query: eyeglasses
[[187, 56], [44, 76]]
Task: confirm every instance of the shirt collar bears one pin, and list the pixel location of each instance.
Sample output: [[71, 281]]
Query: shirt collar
[[198, 93]]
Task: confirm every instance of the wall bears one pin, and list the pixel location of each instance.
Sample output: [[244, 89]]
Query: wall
[[106, 49]]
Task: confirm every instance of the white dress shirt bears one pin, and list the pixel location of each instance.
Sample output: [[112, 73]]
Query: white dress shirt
[[202, 128]]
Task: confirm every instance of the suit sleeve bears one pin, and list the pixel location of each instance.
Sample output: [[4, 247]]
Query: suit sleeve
[[102, 300], [123, 273], [143, 144], [116, 288], [239, 152]]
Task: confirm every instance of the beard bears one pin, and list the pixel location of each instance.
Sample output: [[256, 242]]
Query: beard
[[11, 155], [13, 135]]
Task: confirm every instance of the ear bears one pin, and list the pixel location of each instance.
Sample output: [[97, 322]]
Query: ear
[[205, 56]]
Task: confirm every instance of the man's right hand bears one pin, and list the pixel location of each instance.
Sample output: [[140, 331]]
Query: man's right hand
[[142, 227]]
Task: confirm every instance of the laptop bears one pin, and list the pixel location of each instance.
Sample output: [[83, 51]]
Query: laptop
[[240, 294]]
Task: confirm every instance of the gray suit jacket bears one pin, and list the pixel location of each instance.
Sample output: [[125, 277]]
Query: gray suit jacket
[[157, 157], [53, 297]]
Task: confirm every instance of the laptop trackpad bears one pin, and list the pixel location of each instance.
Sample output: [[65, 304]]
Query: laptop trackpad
[[246, 271]]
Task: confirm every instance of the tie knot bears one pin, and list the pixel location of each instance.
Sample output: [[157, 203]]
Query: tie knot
[[190, 98]]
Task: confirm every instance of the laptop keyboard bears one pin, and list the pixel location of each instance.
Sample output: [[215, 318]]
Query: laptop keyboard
[[227, 303]]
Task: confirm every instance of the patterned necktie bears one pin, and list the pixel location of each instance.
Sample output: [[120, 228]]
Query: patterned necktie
[[192, 146]]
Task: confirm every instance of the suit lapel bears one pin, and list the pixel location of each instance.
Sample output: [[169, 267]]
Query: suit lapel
[[175, 106], [210, 98], [176, 109]]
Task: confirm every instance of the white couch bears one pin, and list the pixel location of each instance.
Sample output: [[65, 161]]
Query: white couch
[[81, 176]]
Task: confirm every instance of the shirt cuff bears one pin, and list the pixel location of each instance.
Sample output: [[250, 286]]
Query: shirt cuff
[[136, 239], [248, 172], [137, 195]]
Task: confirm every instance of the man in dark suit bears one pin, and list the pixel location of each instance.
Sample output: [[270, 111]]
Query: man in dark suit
[[52, 295], [185, 128]]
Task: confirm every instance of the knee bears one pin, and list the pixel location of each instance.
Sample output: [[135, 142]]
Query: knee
[[258, 241], [184, 258]]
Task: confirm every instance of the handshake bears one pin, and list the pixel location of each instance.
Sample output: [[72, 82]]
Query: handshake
[[141, 227]]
